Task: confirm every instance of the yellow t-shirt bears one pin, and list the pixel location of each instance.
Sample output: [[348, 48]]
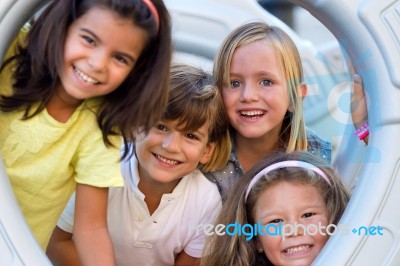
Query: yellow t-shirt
[[44, 159]]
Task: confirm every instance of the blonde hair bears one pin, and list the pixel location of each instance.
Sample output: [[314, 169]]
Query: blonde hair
[[293, 132], [236, 250], [195, 100]]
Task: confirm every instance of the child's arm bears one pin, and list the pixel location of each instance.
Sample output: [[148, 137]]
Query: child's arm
[[61, 249], [90, 226], [184, 259], [359, 111]]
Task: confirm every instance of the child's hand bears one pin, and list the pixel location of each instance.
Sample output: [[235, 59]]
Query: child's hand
[[358, 102]]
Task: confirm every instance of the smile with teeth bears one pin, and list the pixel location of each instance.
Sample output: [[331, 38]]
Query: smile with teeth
[[297, 249], [167, 161], [85, 77], [252, 113]]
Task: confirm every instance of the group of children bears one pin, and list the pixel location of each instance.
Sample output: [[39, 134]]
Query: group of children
[[89, 100]]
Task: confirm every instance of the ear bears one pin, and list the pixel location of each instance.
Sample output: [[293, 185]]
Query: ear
[[303, 90], [207, 153]]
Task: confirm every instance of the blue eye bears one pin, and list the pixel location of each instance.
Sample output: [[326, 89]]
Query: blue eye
[[235, 83], [266, 82]]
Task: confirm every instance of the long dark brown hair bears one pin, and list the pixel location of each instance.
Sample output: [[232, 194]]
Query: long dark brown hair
[[138, 102]]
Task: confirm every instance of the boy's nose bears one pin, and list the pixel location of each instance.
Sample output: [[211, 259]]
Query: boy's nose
[[172, 143]]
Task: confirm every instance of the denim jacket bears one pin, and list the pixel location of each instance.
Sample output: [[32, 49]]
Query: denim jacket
[[227, 177]]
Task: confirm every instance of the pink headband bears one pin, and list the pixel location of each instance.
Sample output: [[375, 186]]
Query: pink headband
[[285, 164], [153, 11]]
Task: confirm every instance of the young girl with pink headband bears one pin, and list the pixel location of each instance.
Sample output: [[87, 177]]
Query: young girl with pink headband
[[294, 191]]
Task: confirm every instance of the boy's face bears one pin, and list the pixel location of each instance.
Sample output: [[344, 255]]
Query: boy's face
[[292, 204], [166, 154]]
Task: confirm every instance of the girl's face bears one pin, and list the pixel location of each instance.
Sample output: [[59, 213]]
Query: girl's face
[[167, 154], [100, 50], [256, 99], [292, 204]]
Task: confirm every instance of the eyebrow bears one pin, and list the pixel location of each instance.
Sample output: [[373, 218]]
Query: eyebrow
[[274, 211], [267, 213], [258, 73], [269, 74], [97, 39]]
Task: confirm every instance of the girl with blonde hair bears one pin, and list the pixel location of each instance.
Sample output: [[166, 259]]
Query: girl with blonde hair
[[259, 73]]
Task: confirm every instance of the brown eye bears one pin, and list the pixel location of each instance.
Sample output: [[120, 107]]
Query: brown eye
[[275, 221], [161, 127], [121, 59], [191, 136], [88, 39], [309, 214]]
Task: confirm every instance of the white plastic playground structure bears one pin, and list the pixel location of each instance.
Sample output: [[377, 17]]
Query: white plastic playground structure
[[369, 31]]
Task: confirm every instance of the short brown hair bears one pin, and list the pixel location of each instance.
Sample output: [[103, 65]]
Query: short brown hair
[[194, 100]]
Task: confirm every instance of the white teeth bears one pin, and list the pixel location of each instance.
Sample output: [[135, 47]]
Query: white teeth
[[85, 77], [297, 249], [252, 113], [167, 161]]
